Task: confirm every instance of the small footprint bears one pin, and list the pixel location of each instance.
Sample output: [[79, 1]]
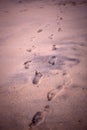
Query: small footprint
[[28, 50], [41, 7], [59, 29], [37, 77], [61, 18], [26, 64], [39, 117], [40, 30], [54, 47], [20, 1], [52, 60], [51, 36], [53, 93], [23, 10]]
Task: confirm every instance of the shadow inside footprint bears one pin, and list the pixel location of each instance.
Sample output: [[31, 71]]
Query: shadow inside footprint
[[37, 77], [26, 64], [73, 61], [52, 60]]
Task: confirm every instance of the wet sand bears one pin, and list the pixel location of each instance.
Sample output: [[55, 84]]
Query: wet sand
[[43, 65]]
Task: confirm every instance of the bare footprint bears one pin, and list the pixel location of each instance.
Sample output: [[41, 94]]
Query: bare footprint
[[53, 93], [37, 77], [59, 29], [28, 50], [54, 47], [61, 18], [23, 10], [40, 30], [52, 60], [26, 64], [39, 117], [20, 1], [51, 36]]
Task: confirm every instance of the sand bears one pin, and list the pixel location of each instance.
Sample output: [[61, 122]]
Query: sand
[[43, 65]]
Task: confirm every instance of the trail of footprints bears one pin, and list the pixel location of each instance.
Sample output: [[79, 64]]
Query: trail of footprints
[[40, 116]]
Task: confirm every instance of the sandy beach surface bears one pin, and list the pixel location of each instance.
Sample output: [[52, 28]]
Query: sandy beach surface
[[43, 65]]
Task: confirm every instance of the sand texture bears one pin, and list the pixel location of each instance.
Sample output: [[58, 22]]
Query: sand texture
[[43, 65]]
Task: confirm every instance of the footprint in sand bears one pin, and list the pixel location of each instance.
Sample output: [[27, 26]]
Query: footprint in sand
[[61, 18], [67, 80], [28, 50], [23, 10], [53, 93], [59, 29], [37, 77], [73, 61], [52, 60], [26, 64], [40, 30], [54, 47], [51, 36], [20, 1], [39, 117]]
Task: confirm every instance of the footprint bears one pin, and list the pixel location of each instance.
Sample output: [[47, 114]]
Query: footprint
[[20, 1], [53, 93], [41, 7], [73, 3], [54, 47], [37, 77], [52, 60], [40, 30], [59, 29], [51, 36], [72, 61], [61, 18], [23, 10], [26, 64], [67, 79], [28, 50], [39, 117]]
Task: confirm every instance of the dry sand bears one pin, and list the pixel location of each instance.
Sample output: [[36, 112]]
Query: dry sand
[[43, 64]]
